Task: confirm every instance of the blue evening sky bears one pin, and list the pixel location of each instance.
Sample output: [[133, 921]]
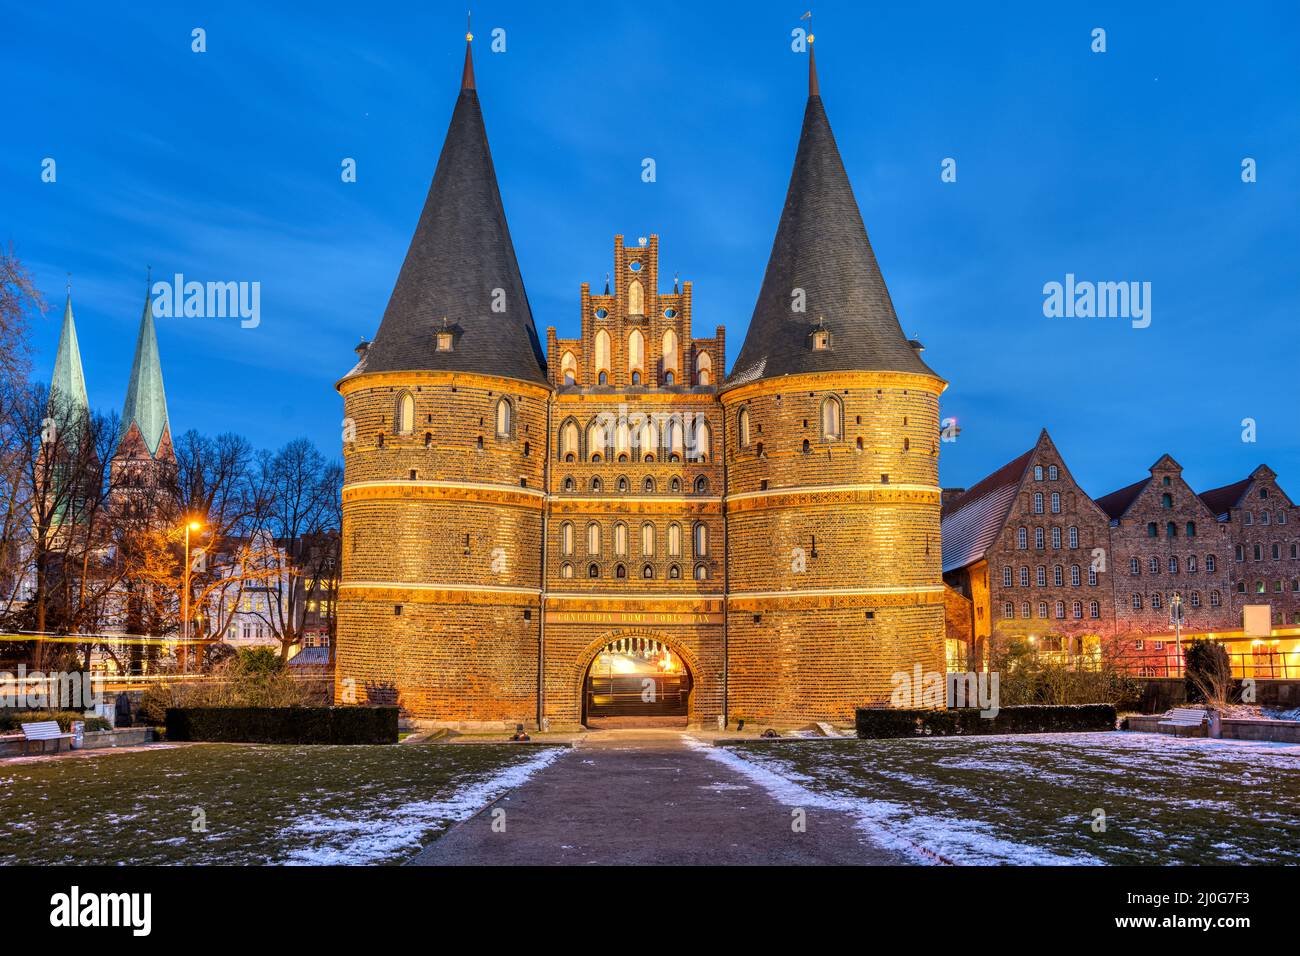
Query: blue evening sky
[[1122, 166]]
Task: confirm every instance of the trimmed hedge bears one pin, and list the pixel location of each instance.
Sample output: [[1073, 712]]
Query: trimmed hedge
[[875, 722], [12, 720], [284, 725]]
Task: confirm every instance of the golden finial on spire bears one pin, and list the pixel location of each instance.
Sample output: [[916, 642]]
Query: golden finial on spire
[[469, 33]]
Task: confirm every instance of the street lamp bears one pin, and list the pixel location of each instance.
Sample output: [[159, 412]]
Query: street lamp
[[1176, 616], [191, 525]]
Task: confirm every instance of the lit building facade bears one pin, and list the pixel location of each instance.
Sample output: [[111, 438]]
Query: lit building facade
[[614, 526]]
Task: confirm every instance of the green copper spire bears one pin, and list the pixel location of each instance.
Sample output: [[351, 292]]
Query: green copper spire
[[146, 403], [69, 381]]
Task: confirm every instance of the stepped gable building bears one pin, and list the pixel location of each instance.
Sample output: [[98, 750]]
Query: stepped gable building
[[1261, 523], [1027, 544], [1165, 541], [615, 531]]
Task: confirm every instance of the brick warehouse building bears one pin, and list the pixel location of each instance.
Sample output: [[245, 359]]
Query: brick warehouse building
[[1219, 551], [536, 538]]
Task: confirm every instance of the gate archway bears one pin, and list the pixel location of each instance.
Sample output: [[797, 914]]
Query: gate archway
[[636, 679]]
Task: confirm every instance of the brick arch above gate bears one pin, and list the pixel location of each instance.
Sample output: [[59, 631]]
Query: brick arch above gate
[[595, 647]]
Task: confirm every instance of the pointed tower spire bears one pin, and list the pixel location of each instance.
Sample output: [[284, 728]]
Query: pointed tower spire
[[68, 384], [461, 264], [145, 426], [823, 305], [467, 75]]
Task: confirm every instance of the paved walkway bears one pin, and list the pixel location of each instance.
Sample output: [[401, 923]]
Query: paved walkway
[[645, 797]]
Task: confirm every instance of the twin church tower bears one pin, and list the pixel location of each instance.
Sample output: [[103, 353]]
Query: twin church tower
[[536, 537]]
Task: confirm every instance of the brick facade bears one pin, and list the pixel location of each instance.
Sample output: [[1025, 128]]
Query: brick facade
[[800, 568], [1265, 562]]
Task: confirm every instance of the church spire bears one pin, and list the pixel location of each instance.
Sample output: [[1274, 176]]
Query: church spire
[[144, 413], [823, 305], [68, 384], [460, 265], [467, 75]]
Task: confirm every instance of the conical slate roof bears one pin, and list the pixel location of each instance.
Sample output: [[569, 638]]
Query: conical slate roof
[[146, 403], [460, 271], [68, 384], [821, 247]]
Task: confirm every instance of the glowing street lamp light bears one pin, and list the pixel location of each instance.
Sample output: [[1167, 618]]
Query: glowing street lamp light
[[195, 526]]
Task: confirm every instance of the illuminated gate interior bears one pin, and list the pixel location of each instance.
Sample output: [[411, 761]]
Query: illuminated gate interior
[[636, 681]]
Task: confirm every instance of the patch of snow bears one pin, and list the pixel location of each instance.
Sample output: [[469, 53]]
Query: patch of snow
[[378, 837], [922, 838]]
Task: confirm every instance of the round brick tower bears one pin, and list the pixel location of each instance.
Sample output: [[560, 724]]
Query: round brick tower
[[832, 438], [445, 424]]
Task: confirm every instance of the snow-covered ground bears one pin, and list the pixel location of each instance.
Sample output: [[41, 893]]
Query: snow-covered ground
[[1048, 798], [247, 804]]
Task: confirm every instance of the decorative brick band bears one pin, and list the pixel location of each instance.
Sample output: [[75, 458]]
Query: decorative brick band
[[663, 603], [835, 598], [834, 381], [508, 495], [396, 592], [636, 505], [812, 496], [405, 379]]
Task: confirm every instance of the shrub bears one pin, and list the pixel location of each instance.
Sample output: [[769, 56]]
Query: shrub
[[1027, 676], [1208, 674], [252, 677], [876, 722], [284, 725], [12, 720]]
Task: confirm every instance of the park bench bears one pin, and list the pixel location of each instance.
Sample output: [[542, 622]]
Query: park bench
[[1189, 717], [43, 730]]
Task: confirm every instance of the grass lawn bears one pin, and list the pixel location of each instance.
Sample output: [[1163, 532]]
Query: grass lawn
[[1031, 799], [263, 804]]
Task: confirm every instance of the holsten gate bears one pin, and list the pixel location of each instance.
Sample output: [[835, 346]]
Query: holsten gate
[[611, 526]]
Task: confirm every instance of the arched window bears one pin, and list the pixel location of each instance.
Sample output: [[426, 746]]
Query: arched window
[[669, 363], [674, 540], [648, 486], [622, 484], [622, 442], [701, 572], [635, 298], [648, 571], [1094, 609], [593, 538], [1051, 473], [405, 414], [673, 439], [674, 486], [648, 539], [620, 540], [570, 484], [742, 424], [674, 572], [569, 441], [832, 419], [701, 441], [593, 570], [596, 440], [635, 355], [620, 571], [703, 369], [701, 485], [566, 570], [505, 418], [700, 539], [569, 369], [566, 538], [648, 440], [597, 486], [602, 356], [1166, 501], [1038, 502]]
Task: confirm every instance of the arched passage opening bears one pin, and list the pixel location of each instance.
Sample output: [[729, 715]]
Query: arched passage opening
[[636, 680]]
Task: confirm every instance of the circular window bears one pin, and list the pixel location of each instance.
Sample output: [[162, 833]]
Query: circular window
[[635, 267], [670, 313], [602, 313]]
